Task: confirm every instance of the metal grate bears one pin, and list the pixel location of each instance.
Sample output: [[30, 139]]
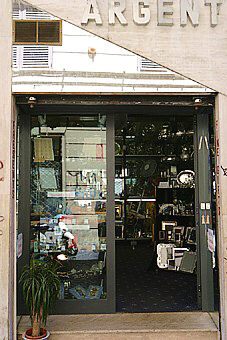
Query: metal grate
[[16, 11], [15, 58], [148, 65], [36, 57], [23, 11], [35, 14], [37, 32], [26, 57]]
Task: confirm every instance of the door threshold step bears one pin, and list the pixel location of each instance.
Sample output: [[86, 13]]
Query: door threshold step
[[124, 326]]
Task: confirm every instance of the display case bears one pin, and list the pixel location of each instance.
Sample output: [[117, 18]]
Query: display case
[[176, 206], [68, 203]]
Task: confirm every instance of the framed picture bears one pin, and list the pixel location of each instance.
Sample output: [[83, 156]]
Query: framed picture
[[167, 225], [188, 262], [178, 254], [162, 235], [47, 178], [187, 233], [171, 264], [178, 234], [192, 236]]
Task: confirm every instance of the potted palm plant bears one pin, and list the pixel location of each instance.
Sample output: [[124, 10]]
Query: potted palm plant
[[41, 287]]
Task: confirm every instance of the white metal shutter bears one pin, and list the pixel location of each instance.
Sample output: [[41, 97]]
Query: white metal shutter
[[148, 65], [23, 11], [36, 57], [35, 14], [16, 12], [15, 57], [26, 57]]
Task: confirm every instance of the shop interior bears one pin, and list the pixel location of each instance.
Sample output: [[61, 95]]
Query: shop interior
[[155, 214], [155, 233]]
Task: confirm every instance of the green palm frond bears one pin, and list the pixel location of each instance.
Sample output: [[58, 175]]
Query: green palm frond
[[41, 287]]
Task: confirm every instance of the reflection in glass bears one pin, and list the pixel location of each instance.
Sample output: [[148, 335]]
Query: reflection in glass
[[68, 200]]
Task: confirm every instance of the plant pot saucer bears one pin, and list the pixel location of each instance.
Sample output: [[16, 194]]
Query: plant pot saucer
[[27, 336]]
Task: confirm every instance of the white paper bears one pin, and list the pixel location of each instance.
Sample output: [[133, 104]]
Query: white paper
[[211, 240]]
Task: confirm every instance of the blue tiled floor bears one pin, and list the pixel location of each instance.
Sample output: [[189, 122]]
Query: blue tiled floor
[[139, 289]]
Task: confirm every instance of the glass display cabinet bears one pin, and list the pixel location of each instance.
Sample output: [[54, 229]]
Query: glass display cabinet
[[68, 201], [155, 179]]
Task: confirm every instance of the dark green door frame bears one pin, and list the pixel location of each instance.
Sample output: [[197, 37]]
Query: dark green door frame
[[203, 212], [203, 195], [24, 123]]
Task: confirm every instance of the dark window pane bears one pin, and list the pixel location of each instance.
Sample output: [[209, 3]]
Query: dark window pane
[[49, 32], [25, 32]]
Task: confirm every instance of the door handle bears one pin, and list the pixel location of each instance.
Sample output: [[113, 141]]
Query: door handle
[[201, 141]]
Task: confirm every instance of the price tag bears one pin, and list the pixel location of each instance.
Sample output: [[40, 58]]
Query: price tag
[[208, 206], [203, 206]]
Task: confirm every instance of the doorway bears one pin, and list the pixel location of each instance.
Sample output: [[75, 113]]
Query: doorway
[[149, 208], [158, 266]]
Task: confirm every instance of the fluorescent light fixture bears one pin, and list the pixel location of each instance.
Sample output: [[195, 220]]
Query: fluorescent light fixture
[[138, 200]]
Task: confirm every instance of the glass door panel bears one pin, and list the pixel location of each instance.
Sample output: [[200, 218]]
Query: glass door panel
[[68, 201]]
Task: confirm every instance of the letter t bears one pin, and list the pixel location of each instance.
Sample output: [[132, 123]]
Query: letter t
[[213, 10]]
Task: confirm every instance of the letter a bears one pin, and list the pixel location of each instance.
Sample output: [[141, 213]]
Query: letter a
[[91, 12]]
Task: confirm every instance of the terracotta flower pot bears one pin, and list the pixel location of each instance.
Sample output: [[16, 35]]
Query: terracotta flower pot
[[28, 335]]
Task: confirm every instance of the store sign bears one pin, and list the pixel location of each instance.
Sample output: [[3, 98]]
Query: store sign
[[186, 36], [142, 12]]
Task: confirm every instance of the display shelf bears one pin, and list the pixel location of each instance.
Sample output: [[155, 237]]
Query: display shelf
[[82, 185], [86, 157], [176, 188], [134, 239], [153, 155], [177, 215], [136, 200], [176, 158]]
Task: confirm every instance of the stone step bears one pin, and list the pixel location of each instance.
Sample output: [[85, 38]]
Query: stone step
[[123, 326]]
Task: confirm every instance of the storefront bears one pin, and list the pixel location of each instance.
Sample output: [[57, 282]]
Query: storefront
[[195, 51], [120, 190]]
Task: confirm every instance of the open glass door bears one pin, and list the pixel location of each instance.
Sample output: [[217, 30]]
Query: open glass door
[[164, 225], [155, 210]]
